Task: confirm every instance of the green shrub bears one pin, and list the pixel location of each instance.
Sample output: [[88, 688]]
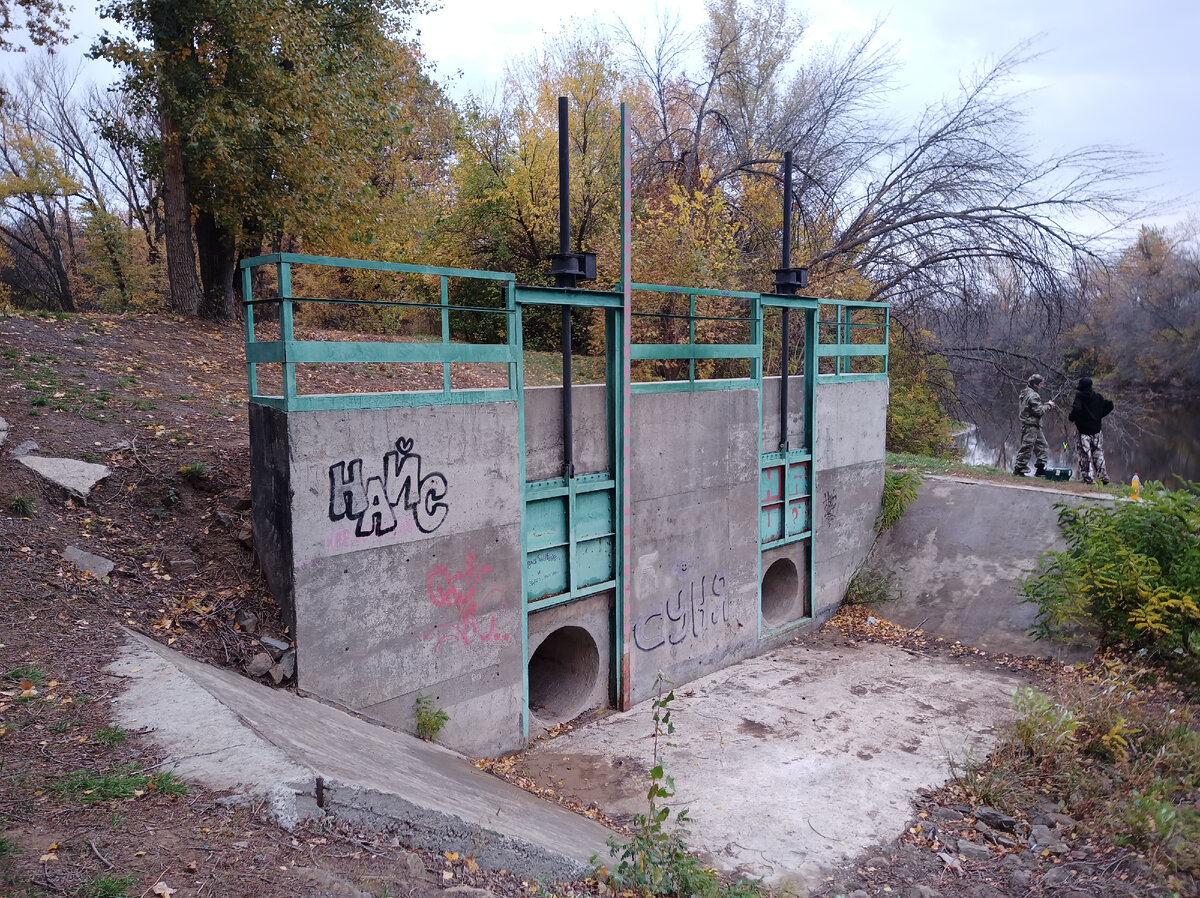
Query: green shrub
[[899, 491], [1131, 571]]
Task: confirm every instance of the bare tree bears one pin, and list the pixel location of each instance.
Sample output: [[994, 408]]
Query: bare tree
[[922, 213]]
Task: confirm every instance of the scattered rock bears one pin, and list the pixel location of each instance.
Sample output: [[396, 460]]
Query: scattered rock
[[3, 431], [241, 503], [181, 563], [245, 535], [96, 565], [246, 621], [858, 893], [1020, 880], [879, 862], [23, 449], [973, 852], [275, 646], [995, 819], [1058, 876], [287, 664], [259, 664], [414, 865], [871, 620], [76, 477], [276, 674], [923, 892], [948, 815]]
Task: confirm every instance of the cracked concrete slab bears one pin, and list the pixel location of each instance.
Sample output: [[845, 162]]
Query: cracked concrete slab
[[76, 477], [792, 762]]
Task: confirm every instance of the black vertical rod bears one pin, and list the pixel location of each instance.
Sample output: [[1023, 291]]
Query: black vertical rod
[[785, 361], [565, 280]]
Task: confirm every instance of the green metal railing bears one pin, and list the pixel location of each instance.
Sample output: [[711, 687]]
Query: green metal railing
[[846, 340], [288, 351]]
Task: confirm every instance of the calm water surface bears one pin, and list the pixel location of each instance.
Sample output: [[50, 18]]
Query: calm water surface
[[1152, 439]]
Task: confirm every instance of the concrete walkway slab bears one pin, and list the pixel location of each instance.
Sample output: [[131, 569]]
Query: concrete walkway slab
[[229, 732], [794, 761], [76, 477]]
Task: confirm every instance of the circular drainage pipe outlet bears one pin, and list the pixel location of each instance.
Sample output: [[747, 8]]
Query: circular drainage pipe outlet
[[562, 674], [780, 592]]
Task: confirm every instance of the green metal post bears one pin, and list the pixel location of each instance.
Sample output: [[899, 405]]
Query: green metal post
[[287, 335]]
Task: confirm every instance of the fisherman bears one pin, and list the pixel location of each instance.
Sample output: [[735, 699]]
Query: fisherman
[[1086, 414], [1033, 441]]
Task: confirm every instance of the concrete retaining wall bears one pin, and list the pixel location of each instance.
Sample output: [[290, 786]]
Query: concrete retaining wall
[[960, 553]]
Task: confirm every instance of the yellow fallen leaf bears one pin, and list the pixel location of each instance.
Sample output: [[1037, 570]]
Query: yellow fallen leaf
[[161, 888], [45, 858], [451, 855]]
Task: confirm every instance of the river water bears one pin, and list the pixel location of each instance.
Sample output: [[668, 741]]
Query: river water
[[1157, 440]]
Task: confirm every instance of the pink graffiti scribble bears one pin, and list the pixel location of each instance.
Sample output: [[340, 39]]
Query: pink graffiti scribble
[[457, 588]]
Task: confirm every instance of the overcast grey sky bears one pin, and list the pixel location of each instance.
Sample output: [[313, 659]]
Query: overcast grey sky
[[1110, 72]]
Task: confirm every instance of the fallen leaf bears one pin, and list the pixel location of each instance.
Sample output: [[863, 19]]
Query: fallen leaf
[[51, 856], [161, 888]]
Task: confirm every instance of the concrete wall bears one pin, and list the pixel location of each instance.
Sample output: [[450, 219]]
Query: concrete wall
[[694, 583], [849, 453], [398, 593], [403, 594], [960, 553]]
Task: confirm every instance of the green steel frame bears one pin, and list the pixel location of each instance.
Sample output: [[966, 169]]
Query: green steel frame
[[585, 517]]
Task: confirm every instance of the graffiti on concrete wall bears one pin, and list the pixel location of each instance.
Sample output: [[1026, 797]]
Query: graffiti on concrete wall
[[687, 614], [457, 590], [830, 502], [373, 503]]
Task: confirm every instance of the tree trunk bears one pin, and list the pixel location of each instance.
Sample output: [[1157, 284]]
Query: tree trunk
[[186, 295], [218, 265]]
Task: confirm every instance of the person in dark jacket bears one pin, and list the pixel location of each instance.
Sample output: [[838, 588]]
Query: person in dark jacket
[[1087, 413]]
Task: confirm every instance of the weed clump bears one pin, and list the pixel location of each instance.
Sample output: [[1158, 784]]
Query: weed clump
[[430, 719]]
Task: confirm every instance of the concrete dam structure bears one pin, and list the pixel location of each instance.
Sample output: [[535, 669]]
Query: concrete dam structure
[[522, 555]]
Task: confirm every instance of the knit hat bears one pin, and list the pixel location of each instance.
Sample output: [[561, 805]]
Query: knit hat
[[1035, 379], [1085, 384]]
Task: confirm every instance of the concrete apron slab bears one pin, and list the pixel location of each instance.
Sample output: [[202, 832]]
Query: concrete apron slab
[[794, 761], [227, 732]]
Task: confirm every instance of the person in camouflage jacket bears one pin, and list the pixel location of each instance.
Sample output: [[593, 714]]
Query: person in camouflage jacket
[[1033, 440]]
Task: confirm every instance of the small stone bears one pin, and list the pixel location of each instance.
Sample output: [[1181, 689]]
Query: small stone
[[1039, 834], [871, 620], [973, 852], [948, 815], [1020, 880], [858, 893], [181, 563], [1062, 821], [246, 536], [241, 503], [276, 674], [242, 845], [259, 664], [96, 565], [23, 449], [995, 819], [414, 865], [246, 621], [879, 862], [275, 646], [287, 664], [3, 431], [1058, 876], [922, 892]]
